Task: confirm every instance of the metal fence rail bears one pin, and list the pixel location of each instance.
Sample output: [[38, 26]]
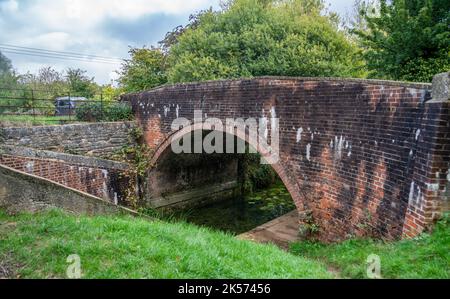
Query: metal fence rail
[[41, 106]]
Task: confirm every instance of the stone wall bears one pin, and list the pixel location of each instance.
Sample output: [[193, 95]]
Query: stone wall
[[101, 178], [96, 139], [20, 192], [365, 157]]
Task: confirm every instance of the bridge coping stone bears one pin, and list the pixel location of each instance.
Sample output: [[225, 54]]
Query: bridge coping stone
[[73, 159], [441, 87], [418, 85]]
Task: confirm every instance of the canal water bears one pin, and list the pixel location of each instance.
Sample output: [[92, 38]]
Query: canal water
[[242, 214]]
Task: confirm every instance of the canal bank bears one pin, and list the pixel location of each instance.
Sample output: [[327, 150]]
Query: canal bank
[[281, 231]]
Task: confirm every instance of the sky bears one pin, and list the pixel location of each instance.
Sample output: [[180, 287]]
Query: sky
[[95, 27]]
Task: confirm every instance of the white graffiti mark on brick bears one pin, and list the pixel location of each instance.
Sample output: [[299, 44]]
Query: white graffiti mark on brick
[[416, 196], [299, 134], [29, 167], [308, 152], [417, 134]]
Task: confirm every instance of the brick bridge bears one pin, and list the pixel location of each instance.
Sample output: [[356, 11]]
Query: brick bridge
[[362, 157]]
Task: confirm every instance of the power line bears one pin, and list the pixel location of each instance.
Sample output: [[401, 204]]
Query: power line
[[61, 52], [28, 52], [56, 57], [59, 55]]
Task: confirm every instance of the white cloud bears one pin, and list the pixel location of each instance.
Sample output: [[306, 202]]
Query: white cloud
[[342, 7], [135, 8], [10, 6], [75, 26], [89, 13], [57, 41], [78, 26]]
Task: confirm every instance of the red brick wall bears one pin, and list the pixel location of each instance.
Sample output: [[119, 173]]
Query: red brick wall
[[103, 183], [379, 150]]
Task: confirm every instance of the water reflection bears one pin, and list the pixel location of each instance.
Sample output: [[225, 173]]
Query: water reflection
[[242, 214]]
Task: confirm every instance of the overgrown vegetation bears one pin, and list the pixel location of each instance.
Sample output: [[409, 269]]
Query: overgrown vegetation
[[18, 91], [308, 229], [98, 111], [145, 69], [406, 39], [255, 38], [37, 246], [400, 40], [254, 175], [423, 257], [247, 38], [22, 95], [5, 65], [138, 155]]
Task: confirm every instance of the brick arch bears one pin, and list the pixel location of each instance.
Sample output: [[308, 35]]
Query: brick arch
[[367, 157], [278, 167]]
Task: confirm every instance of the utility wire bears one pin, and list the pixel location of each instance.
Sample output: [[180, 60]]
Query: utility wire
[[60, 52], [59, 55], [62, 58]]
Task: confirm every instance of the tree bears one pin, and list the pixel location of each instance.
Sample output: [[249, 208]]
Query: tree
[[47, 80], [407, 39], [80, 84], [171, 37], [48, 76], [8, 78], [264, 37], [110, 93], [354, 20], [146, 69], [10, 96], [5, 65]]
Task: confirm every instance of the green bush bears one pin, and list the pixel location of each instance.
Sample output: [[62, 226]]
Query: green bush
[[89, 111], [250, 38], [118, 111], [257, 176], [95, 111]]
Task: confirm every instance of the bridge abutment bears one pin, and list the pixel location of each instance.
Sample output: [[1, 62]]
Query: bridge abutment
[[192, 180]]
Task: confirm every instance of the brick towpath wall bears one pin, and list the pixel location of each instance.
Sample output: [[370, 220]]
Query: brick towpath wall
[[98, 177]]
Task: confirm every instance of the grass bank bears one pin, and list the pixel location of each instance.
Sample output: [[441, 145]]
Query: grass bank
[[427, 256], [37, 246], [29, 120]]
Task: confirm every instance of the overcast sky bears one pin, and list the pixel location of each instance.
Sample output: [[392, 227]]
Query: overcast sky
[[98, 27]]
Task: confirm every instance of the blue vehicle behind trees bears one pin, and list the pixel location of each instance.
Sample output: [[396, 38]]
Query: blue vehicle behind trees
[[67, 105]]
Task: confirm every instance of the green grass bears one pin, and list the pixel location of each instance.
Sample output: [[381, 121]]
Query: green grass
[[427, 256], [29, 120], [37, 246]]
